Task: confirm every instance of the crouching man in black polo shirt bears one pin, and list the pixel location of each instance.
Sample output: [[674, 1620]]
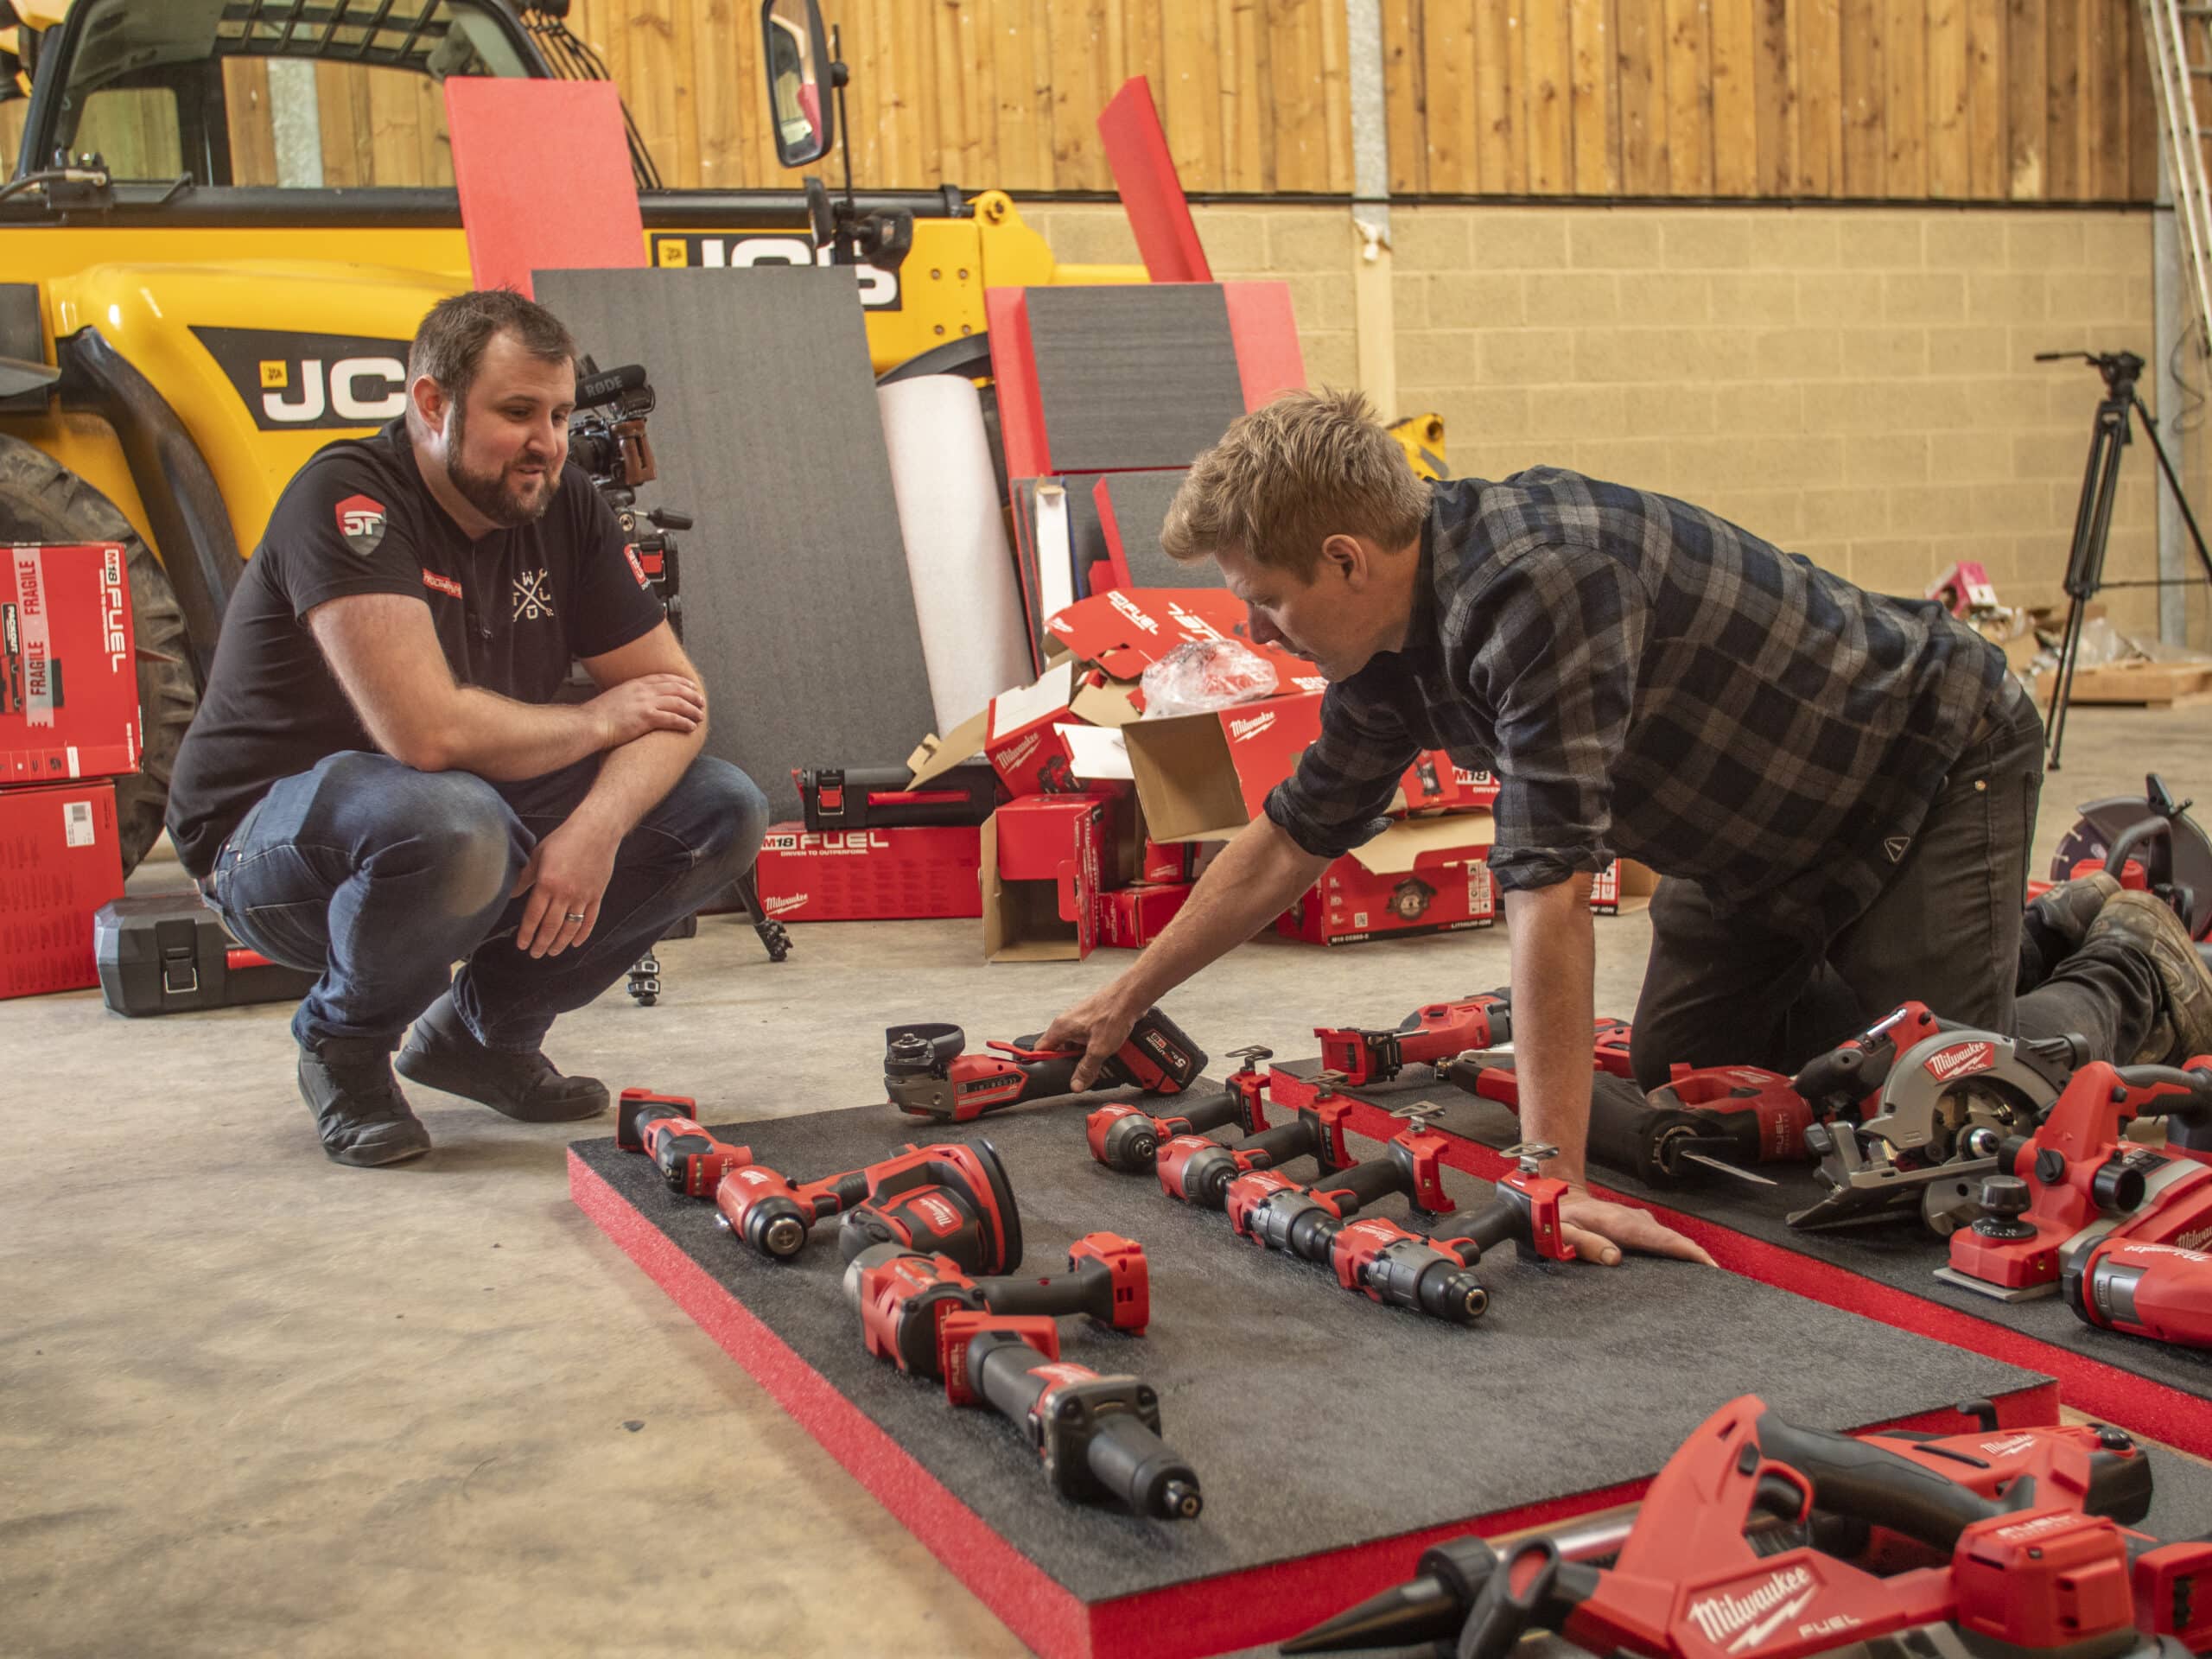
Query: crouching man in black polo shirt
[[1839, 788], [379, 783]]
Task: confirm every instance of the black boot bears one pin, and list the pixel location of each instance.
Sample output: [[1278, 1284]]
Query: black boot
[[2183, 1029], [359, 1113], [442, 1052]]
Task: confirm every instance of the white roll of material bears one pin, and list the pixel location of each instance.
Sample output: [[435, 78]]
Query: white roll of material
[[957, 554]]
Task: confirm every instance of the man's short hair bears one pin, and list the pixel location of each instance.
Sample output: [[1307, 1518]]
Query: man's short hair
[[1287, 476], [450, 344]]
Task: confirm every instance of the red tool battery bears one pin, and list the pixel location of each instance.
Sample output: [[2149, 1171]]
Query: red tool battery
[[167, 953]]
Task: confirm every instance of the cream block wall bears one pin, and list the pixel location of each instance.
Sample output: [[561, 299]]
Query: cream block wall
[[1856, 386]]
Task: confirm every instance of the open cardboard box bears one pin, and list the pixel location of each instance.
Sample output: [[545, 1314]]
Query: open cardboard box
[[1425, 875], [1045, 920], [1205, 777], [1024, 733]]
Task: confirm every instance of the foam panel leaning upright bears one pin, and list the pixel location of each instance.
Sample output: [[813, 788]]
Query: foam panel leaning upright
[[797, 607]]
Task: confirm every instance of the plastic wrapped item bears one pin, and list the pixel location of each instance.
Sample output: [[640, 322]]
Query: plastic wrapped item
[[1204, 675]]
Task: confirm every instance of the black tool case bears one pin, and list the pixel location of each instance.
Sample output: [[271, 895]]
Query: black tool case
[[167, 953]]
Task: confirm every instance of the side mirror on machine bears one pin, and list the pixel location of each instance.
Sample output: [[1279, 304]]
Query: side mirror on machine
[[795, 50]]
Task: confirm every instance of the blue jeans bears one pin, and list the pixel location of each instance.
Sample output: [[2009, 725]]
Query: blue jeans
[[382, 877]]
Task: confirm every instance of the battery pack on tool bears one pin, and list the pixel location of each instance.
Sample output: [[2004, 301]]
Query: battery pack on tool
[[876, 798], [167, 953]]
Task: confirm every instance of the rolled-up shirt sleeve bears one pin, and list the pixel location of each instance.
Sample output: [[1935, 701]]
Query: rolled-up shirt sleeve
[[1340, 797], [1565, 634]]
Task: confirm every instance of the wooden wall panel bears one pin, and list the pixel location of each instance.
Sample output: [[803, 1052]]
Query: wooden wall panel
[[1990, 100]]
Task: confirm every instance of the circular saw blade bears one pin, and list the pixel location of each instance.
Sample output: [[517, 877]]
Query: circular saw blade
[[2103, 822]]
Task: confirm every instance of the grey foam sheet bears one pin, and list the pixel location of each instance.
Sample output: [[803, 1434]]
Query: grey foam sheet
[[1316, 1420], [1143, 375], [1140, 501], [797, 603], [1900, 1254]]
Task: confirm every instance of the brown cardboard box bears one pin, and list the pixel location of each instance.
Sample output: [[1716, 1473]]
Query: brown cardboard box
[[1622, 886]]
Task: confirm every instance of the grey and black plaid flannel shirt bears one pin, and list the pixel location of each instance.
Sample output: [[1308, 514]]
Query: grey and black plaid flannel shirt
[[1650, 681]]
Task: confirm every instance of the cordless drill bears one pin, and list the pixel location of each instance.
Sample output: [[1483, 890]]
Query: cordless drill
[[689, 1160], [1198, 1170], [904, 1296], [926, 1074], [1435, 1274], [1127, 1137], [950, 1199], [1099, 1437], [1427, 1036], [1277, 1213], [2118, 1229]]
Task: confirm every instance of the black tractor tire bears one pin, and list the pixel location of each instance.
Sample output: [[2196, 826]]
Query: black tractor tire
[[43, 502]]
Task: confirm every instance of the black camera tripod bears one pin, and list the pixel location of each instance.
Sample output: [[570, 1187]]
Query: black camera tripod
[[2085, 565]]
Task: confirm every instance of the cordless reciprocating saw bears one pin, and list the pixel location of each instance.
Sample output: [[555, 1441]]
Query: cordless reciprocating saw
[[926, 1074], [1716, 1117], [1428, 1036], [1127, 1137], [2124, 1231], [662, 1127], [1765, 1541], [950, 1199]]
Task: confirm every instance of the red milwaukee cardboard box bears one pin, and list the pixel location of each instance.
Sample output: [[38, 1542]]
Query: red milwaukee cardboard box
[[1128, 630], [1623, 886], [1427, 875], [59, 862], [1205, 777], [1046, 917], [904, 874], [1434, 783], [68, 680], [1132, 917]]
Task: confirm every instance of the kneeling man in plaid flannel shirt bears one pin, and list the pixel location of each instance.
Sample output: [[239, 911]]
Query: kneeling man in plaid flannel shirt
[[1839, 787]]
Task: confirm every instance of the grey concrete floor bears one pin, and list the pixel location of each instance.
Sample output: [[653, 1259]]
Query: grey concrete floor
[[254, 1403]]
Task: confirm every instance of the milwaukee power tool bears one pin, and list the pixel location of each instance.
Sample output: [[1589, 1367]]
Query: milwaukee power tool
[[2122, 1229], [904, 1296], [1277, 1213], [1127, 1137], [927, 1075], [1909, 1114], [1198, 1170], [1427, 1036], [1099, 1437], [1761, 1540], [1714, 1118], [948, 1199], [689, 1160]]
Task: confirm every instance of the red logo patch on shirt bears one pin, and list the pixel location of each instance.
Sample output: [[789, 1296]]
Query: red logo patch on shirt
[[443, 584], [361, 521], [637, 569]]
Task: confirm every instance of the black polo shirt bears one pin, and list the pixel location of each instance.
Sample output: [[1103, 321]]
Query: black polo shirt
[[512, 610]]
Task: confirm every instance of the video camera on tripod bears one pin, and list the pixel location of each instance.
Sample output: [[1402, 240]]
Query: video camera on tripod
[[607, 438]]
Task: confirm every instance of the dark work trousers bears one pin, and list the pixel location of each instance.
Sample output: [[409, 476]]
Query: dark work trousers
[[1737, 989], [383, 877]]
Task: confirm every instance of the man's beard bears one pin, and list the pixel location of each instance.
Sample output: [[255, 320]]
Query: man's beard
[[508, 503]]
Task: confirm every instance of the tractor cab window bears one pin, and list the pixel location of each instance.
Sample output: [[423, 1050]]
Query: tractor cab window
[[302, 93]]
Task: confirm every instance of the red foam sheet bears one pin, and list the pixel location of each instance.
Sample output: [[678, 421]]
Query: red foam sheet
[[1151, 194], [2104, 1391], [1013, 368], [1184, 1621], [1268, 362], [543, 170]]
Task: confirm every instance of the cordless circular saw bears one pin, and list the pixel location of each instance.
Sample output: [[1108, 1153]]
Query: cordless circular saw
[[1911, 1113], [2147, 841]]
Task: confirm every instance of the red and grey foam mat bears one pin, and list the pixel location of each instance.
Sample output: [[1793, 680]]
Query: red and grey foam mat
[[1885, 1270], [1335, 1438]]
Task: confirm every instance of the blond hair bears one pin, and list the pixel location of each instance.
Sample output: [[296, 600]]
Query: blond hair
[[1287, 476]]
